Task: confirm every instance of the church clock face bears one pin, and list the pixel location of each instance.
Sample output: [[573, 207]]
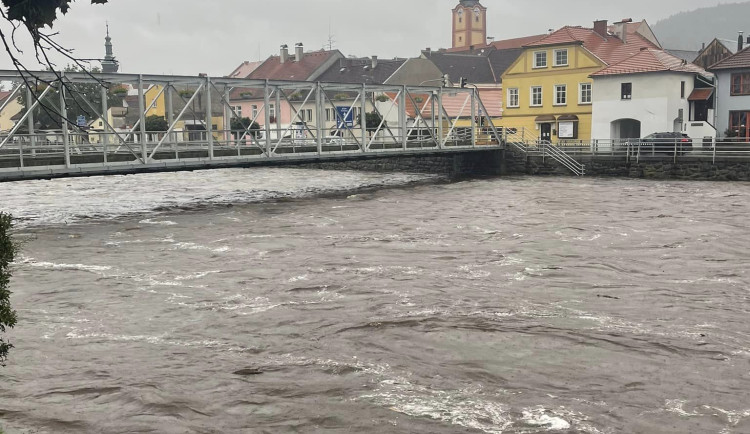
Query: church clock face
[[477, 12]]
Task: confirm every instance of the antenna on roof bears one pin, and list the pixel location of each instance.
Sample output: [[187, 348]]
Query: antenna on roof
[[330, 41]]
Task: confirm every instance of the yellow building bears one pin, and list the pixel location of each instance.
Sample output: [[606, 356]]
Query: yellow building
[[548, 89], [12, 108], [194, 117]]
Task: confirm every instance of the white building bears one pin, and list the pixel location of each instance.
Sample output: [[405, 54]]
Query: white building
[[652, 91]]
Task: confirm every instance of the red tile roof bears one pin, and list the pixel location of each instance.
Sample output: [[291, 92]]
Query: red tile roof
[[244, 69], [498, 45], [4, 95], [516, 42], [609, 49], [650, 60], [738, 60], [456, 105], [273, 69], [701, 94]]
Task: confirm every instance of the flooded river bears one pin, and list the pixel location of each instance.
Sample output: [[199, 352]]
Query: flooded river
[[290, 301]]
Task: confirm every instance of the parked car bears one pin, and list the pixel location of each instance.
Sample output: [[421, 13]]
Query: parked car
[[667, 142]]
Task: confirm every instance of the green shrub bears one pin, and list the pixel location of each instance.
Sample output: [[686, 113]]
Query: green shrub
[[7, 254]]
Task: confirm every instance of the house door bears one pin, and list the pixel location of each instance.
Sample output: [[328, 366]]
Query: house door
[[546, 132]]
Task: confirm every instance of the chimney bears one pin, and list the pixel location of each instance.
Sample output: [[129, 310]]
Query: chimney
[[299, 51], [600, 27], [740, 41], [374, 62], [284, 55]]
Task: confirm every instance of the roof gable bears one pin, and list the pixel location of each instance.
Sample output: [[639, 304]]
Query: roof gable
[[609, 49], [739, 60], [361, 70], [651, 60], [475, 68], [308, 68]]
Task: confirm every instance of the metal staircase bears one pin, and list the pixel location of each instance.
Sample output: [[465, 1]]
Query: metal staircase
[[531, 146]]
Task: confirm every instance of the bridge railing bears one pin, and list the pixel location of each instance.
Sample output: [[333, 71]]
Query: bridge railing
[[60, 125]]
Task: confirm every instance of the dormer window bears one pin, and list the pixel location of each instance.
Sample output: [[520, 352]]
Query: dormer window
[[540, 59], [561, 57]]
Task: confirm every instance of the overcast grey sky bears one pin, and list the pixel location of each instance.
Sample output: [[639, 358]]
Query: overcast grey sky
[[214, 36]]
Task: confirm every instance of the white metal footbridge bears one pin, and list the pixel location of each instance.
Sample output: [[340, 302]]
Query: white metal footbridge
[[78, 124]]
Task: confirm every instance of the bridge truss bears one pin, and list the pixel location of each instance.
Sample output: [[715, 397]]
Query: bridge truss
[[99, 123]]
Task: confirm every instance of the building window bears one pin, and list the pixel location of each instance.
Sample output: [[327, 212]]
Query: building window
[[561, 57], [536, 96], [255, 112], [308, 115], [329, 115], [561, 94], [740, 84], [237, 111], [540, 59], [272, 110], [738, 125], [682, 89], [584, 93], [513, 97], [626, 91]]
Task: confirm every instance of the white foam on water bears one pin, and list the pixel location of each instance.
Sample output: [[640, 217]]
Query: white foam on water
[[97, 269], [298, 278], [547, 419], [157, 222], [677, 406], [194, 246], [453, 407], [196, 275], [162, 339], [73, 200]]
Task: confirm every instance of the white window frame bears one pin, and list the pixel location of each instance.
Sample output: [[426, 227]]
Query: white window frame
[[514, 91], [590, 92], [536, 64], [237, 111], [554, 57], [272, 111], [254, 111], [541, 96], [564, 88]]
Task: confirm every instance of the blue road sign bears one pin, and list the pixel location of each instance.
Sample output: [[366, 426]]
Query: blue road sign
[[81, 121], [344, 117]]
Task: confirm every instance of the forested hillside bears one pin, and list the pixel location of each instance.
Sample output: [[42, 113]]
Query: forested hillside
[[688, 30]]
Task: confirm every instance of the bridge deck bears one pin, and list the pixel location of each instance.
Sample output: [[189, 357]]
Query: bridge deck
[[65, 128]]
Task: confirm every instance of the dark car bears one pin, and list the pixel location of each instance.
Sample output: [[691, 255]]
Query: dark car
[[667, 143]]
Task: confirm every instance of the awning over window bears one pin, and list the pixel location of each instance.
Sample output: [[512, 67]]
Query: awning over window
[[568, 118], [545, 118], [701, 94]]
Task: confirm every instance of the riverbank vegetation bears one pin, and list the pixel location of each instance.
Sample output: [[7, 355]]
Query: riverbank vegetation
[[7, 254]]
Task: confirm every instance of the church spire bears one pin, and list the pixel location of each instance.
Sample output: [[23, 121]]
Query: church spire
[[109, 64]]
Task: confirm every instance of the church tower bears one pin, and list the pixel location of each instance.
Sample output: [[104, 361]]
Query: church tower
[[469, 24], [109, 64]]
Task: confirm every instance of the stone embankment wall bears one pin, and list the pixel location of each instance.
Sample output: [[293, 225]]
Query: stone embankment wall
[[684, 168], [478, 163]]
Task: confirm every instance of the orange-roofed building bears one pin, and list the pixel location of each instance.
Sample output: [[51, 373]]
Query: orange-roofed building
[[652, 92], [549, 89]]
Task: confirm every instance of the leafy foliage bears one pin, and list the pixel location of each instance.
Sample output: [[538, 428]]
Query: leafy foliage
[[36, 14], [156, 123], [372, 121], [76, 94], [7, 253], [239, 125]]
